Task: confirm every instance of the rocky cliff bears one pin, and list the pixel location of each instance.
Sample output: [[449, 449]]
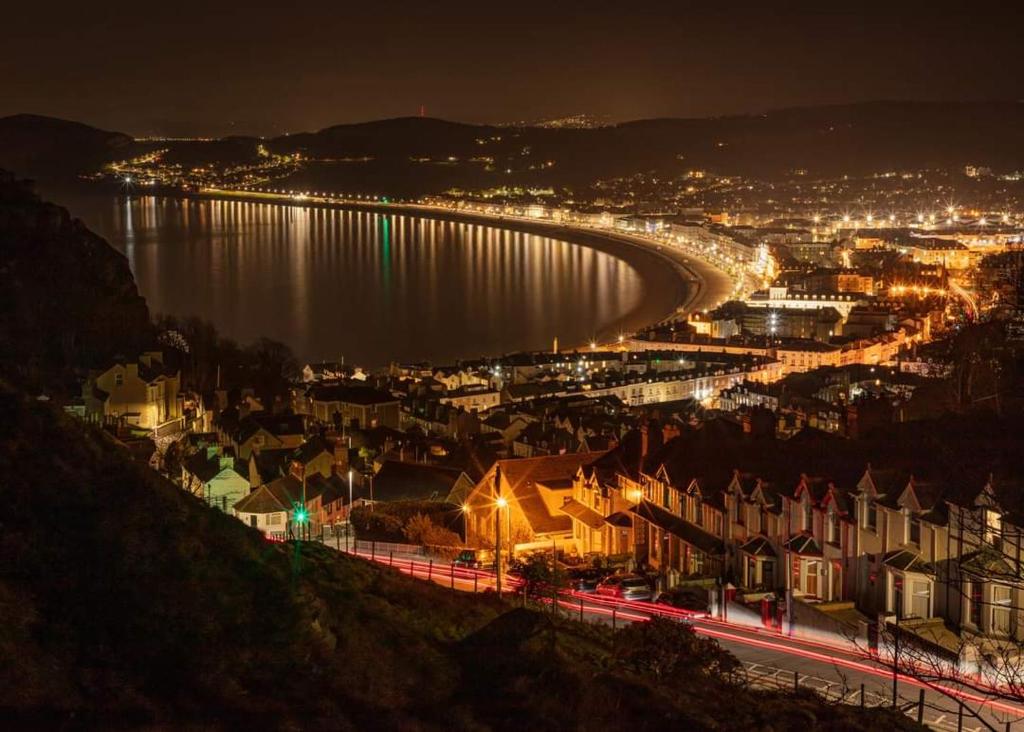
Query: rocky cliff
[[67, 298]]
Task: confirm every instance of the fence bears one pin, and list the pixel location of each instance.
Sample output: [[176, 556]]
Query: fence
[[959, 718]]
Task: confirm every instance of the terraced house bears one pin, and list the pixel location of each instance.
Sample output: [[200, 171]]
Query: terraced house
[[928, 536]]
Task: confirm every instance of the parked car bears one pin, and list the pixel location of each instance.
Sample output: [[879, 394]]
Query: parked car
[[625, 587], [685, 598], [584, 579], [475, 559]]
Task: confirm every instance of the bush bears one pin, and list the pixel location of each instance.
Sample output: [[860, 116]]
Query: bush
[[432, 522], [671, 652]]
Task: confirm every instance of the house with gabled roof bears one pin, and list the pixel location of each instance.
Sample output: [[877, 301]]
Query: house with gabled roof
[[271, 507], [215, 476], [142, 392], [535, 490]]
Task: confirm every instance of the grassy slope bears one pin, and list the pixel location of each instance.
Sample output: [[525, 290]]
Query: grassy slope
[[128, 603]]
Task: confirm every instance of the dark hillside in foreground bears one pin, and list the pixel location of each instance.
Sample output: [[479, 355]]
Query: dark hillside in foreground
[[129, 603]]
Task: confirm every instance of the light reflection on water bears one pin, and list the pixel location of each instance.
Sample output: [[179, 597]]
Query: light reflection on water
[[373, 287]]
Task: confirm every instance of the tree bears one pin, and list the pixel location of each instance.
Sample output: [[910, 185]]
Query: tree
[[540, 575], [272, 369]]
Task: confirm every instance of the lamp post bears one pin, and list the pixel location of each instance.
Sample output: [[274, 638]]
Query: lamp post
[[348, 517], [499, 503]]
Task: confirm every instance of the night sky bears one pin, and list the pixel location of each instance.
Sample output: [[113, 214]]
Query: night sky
[[229, 67]]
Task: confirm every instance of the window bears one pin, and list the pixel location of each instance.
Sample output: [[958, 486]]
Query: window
[[698, 562], [698, 510], [833, 526], [808, 515], [993, 527], [666, 497], [974, 603], [763, 520], [921, 602], [1001, 609], [274, 519], [738, 509], [871, 516], [915, 530], [118, 379]]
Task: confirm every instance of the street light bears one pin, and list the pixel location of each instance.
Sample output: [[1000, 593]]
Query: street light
[[500, 502], [348, 517]]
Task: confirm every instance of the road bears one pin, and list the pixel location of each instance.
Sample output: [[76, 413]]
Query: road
[[969, 300], [841, 674]]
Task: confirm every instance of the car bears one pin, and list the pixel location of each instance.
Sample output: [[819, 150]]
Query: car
[[584, 579], [625, 587], [475, 559], [685, 598]]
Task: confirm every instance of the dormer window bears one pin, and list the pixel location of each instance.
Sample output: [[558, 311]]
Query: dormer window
[[808, 515], [914, 530], [993, 527], [833, 526], [118, 379], [870, 515], [698, 510]]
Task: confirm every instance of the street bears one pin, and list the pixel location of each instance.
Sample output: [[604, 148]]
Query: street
[[771, 660]]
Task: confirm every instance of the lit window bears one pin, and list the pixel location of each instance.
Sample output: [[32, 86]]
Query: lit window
[[1001, 609], [922, 599]]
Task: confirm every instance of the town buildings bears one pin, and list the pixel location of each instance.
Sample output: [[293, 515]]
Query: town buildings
[[142, 393]]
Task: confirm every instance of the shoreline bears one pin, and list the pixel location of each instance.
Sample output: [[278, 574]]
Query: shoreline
[[686, 285]]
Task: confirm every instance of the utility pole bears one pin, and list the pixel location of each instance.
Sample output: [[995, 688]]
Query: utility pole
[[498, 502], [896, 660], [348, 532]]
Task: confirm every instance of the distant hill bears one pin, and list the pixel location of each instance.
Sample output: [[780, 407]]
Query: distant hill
[[855, 138], [46, 147], [828, 140]]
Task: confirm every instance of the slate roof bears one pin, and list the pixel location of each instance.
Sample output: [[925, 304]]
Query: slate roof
[[583, 513], [680, 528], [758, 546], [206, 469], [334, 488], [907, 561], [276, 424], [804, 545], [347, 394], [270, 463], [278, 495], [397, 480]]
